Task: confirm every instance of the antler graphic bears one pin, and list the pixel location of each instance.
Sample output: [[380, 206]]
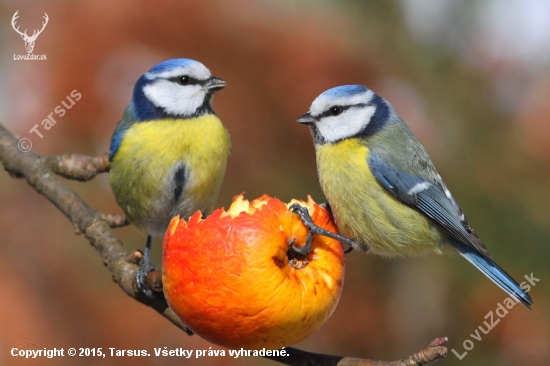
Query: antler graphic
[[34, 36], [29, 40], [13, 19]]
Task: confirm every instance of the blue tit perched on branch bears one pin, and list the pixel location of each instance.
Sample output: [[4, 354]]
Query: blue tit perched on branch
[[382, 187], [168, 154]]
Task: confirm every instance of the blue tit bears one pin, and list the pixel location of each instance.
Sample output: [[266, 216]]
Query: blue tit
[[169, 152], [382, 187]]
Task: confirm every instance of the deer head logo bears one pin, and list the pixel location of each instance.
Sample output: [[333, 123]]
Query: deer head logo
[[29, 40]]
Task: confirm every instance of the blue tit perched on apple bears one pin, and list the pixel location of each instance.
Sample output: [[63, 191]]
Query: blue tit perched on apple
[[169, 152], [382, 187]]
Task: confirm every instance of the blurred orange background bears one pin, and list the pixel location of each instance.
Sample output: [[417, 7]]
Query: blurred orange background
[[470, 79]]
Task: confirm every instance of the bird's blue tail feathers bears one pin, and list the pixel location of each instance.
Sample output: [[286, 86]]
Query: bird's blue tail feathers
[[493, 271]]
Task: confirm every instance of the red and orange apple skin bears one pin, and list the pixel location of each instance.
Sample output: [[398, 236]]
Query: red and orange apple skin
[[228, 276]]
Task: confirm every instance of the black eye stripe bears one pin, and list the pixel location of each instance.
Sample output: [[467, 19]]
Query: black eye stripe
[[342, 107], [192, 81]]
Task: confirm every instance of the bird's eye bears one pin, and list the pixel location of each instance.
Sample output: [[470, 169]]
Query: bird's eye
[[334, 111], [183, 80]]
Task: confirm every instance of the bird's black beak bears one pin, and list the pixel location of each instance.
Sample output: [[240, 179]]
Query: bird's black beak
[[214, 84], [306, 119]]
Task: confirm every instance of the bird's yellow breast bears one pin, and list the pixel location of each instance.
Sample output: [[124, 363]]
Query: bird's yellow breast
[[142, 170], [364, 211]]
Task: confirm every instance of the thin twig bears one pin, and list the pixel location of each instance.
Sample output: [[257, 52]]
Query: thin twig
[[76, 166], [433, 352], [115, 220]]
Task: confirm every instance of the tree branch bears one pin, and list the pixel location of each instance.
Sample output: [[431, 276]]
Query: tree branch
[[40, 172], [433, 352], [92, 224]]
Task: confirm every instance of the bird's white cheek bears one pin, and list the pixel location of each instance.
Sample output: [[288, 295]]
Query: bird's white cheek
[[348, 124], [174, 98]]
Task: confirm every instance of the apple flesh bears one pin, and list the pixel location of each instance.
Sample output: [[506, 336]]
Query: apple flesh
[[233, 279]]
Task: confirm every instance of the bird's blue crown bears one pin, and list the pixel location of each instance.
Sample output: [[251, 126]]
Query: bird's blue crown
[[172, 64], [344, 91]]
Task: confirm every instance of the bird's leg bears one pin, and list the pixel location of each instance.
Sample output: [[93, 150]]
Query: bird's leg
[[327, 207], [145, 267], [303, 213]]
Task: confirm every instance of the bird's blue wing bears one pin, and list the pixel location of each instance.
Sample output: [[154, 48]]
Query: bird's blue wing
[[426, 197], [435, 201], [116, 140]]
